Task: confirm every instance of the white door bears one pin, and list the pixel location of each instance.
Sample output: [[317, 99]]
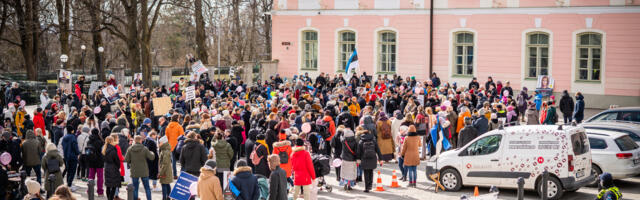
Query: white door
[[480, 161]]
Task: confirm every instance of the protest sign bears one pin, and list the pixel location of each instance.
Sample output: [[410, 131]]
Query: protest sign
[[110, 93], [181, 190], [194, 77], [161, 105], [94, 86], [64, 80], [190, 93], [137, 76], [198, 68]]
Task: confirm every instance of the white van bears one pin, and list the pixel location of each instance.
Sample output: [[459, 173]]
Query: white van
[[500, 157]]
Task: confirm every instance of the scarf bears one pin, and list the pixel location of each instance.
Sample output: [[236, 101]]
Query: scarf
[[265, 145]]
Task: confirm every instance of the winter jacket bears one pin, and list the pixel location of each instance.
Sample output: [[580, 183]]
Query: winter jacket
[[112, 161], [460, 122], [150, 143], [224, 154], [31, 149], [246, 182], [410, 148], [349, 149], [387, 146], [369, 124], [95, 159], [481, 124], [278, 185], [466, 135], [173, 131], [123, 142], [346, 119], [303, 170], [52, 154], [283, 146], [121, 123], [70, 147], [368, 141], [57, 134], [165, 173], [209, 185], [83, 140], [38, 123], [566, 104], [263, 167], [532, 116], [193, 156], [137, 157], [551, 112], [578, 111]]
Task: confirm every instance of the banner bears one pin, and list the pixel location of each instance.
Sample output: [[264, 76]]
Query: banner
[[181, 190], [198, 68], [161, 105], [110, 93], [190, 93], [545, 85]]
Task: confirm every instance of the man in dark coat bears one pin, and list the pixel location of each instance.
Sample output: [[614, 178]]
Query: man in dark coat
[[578, 111], [345, 118], [245, 181], [481, 123], [193, 155], [566, 106], [31, 149], [71, 153], [277, 180], [368, 152], [467, 133], [150, 143]]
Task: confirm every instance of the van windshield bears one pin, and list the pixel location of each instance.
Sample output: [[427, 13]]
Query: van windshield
[[625, 143], [580, 143]]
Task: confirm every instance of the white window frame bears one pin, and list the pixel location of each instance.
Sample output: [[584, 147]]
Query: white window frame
[[532, 82], [464, 54], [588, 87], [338, 47], [538, 47], [378, 51], [589, 57], [300, 49]]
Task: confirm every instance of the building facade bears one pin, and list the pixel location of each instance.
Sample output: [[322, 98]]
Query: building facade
[[585, 45]]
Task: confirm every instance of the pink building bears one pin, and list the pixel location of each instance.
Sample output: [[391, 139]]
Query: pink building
[[585, 45]]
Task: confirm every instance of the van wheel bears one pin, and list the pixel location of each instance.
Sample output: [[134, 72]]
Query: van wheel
[[451, 179], [554, 188], [597, 171]]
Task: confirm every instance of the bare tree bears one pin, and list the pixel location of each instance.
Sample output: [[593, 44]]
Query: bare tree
[[27, 22], [200, 33], [63, 9], [148, 18]]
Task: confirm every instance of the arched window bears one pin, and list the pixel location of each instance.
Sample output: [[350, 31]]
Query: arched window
[[537, 54], [346, 45], [310, 50], [463, 53], [387, 51], [589, 52]]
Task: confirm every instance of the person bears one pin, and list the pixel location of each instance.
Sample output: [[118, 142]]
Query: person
[[193, 155], [384, 137], [303, 171], [435, 81], [532, 114], [63, 193], [83, 140], [52, 163], [262, 151], [31, 149], [277, 179], [173, 131], [38, 120], [578, 111], [552, 116], [368, 154], [95, 159], [411, 155], [137, 156], [71, 152], [33, 189], [481, 123], [208, 183], [607, 191], [223, 153], [245, 181], [165, 172], [349, 155], [467, 134], [150, 143], [44, 99], [112, 178], [283, 150], [566, 106]]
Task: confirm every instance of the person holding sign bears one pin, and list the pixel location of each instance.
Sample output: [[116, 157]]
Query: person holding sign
[[208, 183]]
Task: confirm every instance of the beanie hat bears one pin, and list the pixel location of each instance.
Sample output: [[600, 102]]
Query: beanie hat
[[241, 163], [261, 137], [146, 121], [32, 186], [299, 142], [606, 180], [86, 129], [210, 164], [482, 111], [51, 147]]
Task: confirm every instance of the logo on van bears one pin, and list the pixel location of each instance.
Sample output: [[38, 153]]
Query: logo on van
[[468, 165], [540, 159]]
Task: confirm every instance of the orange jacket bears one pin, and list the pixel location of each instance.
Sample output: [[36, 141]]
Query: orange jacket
[[173, 131], [461, 120], [332, 126], [284, 146]]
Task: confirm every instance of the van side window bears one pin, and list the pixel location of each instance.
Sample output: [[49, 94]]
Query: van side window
[[580, 145], [485, 146], [597, 143]]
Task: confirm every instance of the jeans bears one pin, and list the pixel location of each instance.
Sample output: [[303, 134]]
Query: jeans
[[567, 118], [368, 178], [166, 190], [36, 169], [111, 193], [411, 172], [306, 189], [403, 169], [173, 164], [71, 166], [136, 185], [100, 173]]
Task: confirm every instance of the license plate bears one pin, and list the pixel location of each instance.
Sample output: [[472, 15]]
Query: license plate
[[579, 173], [636, 161]]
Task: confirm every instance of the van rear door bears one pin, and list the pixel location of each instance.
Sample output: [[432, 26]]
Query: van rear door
[[580, 162]]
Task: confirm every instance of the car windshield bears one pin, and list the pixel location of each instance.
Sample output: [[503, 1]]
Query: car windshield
[[580, 143], [625, 143]]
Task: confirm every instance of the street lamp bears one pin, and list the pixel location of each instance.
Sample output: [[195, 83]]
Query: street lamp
[[99, 67], [64, 58], [82, 59]]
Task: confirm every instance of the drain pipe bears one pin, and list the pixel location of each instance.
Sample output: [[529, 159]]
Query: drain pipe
[[430, 40]]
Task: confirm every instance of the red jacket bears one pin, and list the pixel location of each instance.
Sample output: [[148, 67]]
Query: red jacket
[[302, 166], [38, 123], [283, 146]]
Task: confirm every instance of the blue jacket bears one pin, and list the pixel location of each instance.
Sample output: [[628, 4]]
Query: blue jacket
[[578, 111], [70, 147], [538, 101], [246, 182], [481, 124]]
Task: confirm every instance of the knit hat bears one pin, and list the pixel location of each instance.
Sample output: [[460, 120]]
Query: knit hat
[[606, 180], [210, 164], [146, 121], [482, 111], [241, 163], [163, 140], [261, 137], [51, 147], [86, 129], [299, 142], [32, 186]]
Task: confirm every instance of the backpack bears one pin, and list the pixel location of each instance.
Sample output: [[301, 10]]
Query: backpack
[[554, 118], [385, 128], [323, 129], [284, 157], [369, 150], [53, 164], [255, 159]]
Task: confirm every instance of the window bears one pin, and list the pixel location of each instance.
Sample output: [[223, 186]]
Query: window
[[625, 143], [589, 54], [580, 145], [630, 116], [346, 45], [606, 116], [597, 143], [537, 53], [485, 146], [309, 50], [463, 53], [387, 51]]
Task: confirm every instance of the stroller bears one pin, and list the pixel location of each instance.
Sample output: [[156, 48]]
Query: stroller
[[322, 168]]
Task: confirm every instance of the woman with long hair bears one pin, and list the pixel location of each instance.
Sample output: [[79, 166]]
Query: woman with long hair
[[112, 160]]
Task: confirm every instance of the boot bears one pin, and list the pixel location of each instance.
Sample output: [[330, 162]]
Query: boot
[[404, 178]]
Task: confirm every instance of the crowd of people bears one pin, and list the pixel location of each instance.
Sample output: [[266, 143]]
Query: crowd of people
[[275, 138]]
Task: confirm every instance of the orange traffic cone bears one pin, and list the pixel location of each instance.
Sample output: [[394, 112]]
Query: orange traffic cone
[[379, 187], [475, 192], [394, 180]]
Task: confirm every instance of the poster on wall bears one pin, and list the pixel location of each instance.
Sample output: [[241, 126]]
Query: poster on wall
[[545, 85]]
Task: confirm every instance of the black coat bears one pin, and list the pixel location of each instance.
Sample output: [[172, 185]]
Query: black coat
[[112, 176], [153, 164], [278, 184], [566, 105], [193, 156], [96, 159], [336, 144], [263, 167], [349, 153], [247, 183], [466, 135], [368, 163], [346, 119]]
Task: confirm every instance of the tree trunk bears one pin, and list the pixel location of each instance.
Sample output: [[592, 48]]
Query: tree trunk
[[133, 59], [237, 32], [62, 8], [96, 38], [200, 34], [25, 30], [266, 7]]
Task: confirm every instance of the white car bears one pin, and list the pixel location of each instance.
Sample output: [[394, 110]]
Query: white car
[[499, 157], [614, 152]]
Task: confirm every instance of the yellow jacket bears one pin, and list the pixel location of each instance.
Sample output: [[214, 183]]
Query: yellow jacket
[[354, 109], [19, 122]]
